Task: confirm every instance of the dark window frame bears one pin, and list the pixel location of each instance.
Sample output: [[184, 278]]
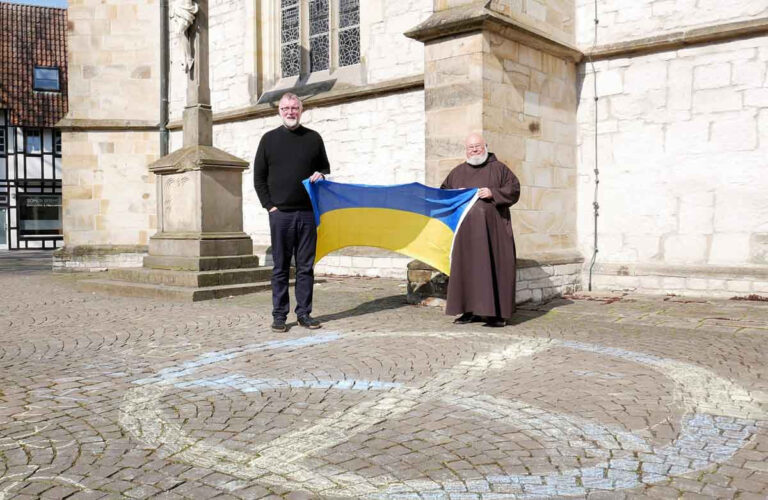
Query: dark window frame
[[38, 132], [35, 80], [328, 41]]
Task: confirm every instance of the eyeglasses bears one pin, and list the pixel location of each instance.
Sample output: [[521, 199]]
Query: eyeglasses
[[292, 108]]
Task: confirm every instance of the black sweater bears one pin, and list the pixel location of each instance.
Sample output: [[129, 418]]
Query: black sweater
[[284, 159]]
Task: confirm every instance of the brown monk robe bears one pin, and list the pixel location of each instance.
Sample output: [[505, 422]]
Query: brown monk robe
[[482, 281]]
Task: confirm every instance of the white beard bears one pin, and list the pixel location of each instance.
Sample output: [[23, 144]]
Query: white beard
[[290, 124], [478, 159]]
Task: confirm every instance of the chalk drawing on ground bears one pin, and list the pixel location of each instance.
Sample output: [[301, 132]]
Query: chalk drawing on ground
[[720, 418]]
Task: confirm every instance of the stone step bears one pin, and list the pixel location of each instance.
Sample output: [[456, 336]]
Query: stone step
[[193, 279], [174, 263], [176, 293]]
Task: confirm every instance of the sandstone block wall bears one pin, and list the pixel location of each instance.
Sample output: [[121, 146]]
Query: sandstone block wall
[[114, 80], [623, 20], [108, 195], [530, 121], [524, 101], [682, 148], [114, 61], [552, 17]]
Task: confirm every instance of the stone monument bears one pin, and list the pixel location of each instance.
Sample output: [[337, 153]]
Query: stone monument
[[200, 250]]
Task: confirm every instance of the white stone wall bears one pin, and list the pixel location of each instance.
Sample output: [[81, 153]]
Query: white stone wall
[[231, 24], [371, 141], [683, 157], [389, 54], [623, 20]]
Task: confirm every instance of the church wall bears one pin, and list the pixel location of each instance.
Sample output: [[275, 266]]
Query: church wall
[[682, 148], [110, 134], [529, 120], [623, 20], [114, 64], [552, 18], [555, 18]]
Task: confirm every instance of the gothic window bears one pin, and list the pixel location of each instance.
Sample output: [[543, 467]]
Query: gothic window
[[290, 35], [319, 24], [349, 32], [316, 35]]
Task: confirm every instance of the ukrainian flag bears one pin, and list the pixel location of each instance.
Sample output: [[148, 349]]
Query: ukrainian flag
[[411, 219]]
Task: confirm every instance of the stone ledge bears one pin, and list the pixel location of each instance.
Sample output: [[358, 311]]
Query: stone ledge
[[88, 125], [540, 277], [330, 98], [476, 17], [682, 271], [197, 158], [680, 39], [98, 250]]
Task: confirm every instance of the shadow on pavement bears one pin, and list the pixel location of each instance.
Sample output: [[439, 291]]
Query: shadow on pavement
[[373, 306], [25, 261], [529, 310], [525, 312]]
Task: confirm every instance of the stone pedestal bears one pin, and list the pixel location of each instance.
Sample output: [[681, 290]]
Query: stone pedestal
[[200, 251]]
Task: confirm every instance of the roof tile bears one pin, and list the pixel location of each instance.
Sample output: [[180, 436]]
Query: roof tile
[[32, 36]]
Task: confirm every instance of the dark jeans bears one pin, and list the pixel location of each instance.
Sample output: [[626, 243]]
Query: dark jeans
[[294, 234]]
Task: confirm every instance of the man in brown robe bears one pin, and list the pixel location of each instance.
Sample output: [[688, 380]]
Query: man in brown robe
[[482, 281]]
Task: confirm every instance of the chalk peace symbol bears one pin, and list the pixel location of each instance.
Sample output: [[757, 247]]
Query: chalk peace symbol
[[720, 418]]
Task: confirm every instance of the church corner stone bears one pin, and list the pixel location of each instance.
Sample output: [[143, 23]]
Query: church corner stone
[[497, 71]]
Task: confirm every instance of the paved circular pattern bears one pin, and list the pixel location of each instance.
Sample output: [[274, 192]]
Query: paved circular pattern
[[112, 397], [719, 420]]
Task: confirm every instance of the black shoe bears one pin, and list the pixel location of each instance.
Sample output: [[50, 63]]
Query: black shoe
[[495, 321], [278, 325], [309, 322], [465, 318]]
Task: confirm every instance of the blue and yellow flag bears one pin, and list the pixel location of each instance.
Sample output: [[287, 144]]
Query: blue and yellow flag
[[411, 219]]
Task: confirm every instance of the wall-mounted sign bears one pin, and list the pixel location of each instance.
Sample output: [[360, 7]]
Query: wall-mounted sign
[[41, 200]]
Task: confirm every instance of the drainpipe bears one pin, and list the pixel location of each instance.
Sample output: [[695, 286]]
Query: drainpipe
[[595, 204], [164, 76]]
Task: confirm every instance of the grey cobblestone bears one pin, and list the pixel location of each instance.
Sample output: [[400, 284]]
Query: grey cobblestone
[[586, 396]]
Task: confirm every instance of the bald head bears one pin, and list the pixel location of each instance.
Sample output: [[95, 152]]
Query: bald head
[[475, 149]]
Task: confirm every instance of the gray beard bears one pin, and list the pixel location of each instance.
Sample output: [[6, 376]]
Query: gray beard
[[290, 124], [477, 159]]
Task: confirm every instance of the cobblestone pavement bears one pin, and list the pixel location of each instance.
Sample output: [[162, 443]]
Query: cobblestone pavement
[[596, 397]]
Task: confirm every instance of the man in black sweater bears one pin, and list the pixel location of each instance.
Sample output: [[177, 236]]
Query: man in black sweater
[[286, 156]]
